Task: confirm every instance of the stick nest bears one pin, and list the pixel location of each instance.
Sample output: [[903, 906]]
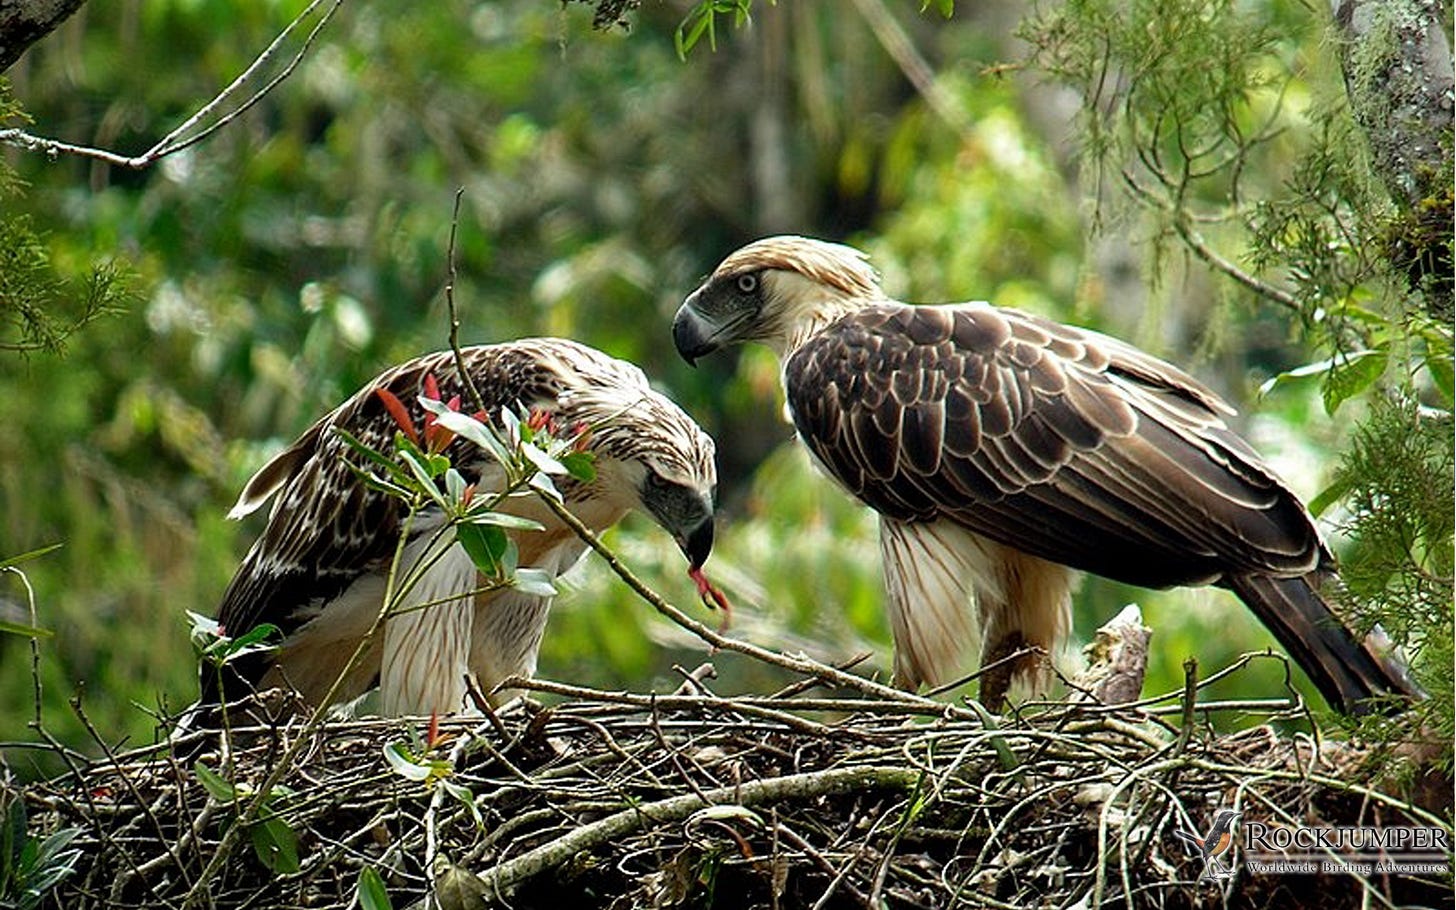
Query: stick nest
[[692, 799]]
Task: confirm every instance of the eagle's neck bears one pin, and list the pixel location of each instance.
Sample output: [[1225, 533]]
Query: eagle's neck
[[812, 324], [806, 308]]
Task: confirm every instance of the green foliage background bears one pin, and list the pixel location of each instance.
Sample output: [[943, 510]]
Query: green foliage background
[[275, 267]]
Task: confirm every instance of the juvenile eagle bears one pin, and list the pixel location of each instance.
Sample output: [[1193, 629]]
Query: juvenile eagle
[[1002, 451], [319, 569]]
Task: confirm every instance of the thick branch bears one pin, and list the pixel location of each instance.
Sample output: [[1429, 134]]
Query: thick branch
[[24, 22], [502, 879]]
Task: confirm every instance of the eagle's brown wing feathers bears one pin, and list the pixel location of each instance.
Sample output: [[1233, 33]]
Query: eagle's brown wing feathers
[[1045, 438], [1073, 447]]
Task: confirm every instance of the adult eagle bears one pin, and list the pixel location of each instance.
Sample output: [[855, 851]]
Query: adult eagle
[[320, 568], [1002, 451]]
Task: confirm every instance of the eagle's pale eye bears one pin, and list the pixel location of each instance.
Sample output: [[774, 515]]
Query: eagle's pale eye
[[748, 283]]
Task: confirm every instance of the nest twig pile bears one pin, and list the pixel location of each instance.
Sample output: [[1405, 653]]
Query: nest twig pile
[[692, 799]]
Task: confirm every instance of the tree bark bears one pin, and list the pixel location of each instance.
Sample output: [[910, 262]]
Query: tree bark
[[1396, 58], [1397, 65], [24, 22]]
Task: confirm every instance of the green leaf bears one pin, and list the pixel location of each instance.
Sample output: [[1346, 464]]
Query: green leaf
[[543, 462], [404, 445], [28, 555], [581, 465], [503, 520], [420, 466], [1330, 495], [252, 640], [1004, 753], [543, 484], [52, 849], [216, 787], [472, 430], [534, 581], [454, 485], [370, 891], [375, 482], [1308, 371], [15, 628], [404, 764], [690, 30], [1444, 377], [377, 458], [1349, 376], [275, 842], [465, 796], [485, 544], [12, 838], [457, 889]]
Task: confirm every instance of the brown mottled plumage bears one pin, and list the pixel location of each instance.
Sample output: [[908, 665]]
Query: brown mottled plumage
[[1003, 450], [318, 570]]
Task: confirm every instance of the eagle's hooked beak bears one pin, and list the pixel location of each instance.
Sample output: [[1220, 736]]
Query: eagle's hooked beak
[[692, 334], [684, 513], [698, 544]]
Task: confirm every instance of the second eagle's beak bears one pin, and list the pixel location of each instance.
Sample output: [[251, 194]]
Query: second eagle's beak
[[698, 544], [691, 333]]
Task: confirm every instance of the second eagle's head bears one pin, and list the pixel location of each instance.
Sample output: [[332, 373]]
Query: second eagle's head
[[651, 456], [778, 291]]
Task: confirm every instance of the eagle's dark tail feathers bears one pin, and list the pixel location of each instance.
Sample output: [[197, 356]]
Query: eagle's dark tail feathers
[[1347, 672]]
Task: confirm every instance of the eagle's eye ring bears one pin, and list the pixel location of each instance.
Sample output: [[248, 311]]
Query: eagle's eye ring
[[747, 283]]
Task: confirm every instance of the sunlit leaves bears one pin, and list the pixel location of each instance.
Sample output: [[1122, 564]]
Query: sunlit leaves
[[580, 465], [216, 647], [1341, 378], [471, 429], [524, 454], [535, 581], [702, 21], [415, 767]]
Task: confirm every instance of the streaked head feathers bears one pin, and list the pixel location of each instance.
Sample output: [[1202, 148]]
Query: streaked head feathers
[[835, 265]]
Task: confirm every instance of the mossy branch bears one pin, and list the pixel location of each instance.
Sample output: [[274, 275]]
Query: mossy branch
[[500, 880]]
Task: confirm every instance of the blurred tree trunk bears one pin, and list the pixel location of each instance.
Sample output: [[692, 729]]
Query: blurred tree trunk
[[1397, 65], [24, 22], [776, 206], [1396, 58]]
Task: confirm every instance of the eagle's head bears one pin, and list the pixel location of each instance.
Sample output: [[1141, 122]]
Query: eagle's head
[[651, 456], [778, 291]]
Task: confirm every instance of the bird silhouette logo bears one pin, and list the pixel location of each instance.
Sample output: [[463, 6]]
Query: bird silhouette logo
[[1216, 847]]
